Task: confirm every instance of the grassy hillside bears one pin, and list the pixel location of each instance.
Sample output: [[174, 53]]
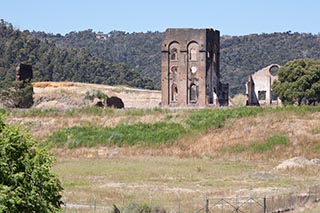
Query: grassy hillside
[[63, 118], [171, 159], [247, 132]]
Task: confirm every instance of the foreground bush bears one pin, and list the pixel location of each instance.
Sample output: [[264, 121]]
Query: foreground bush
[[26, 183]]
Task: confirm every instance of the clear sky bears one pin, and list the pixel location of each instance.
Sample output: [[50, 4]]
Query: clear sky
[[231, 17]]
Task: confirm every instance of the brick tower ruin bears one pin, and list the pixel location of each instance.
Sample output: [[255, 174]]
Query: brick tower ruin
[[190, 74]]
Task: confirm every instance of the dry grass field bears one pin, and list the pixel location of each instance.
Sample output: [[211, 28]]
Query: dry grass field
[[66, 95], [232, 160]]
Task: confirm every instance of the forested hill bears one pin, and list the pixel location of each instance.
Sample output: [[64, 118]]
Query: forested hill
[[134, 58], [240, 55], [139, 51], [244, 55], [53, 63]]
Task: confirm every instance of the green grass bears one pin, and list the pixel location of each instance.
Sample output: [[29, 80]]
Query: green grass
[[56, 112], [122, 135], [193, 123], [91, 111], [146, 134], [3, 111], [238, 148], [203, 120], [317, 147], [300, 110], [258, 147], [35, 112], [269, 144], [141, 112], [162, 180]]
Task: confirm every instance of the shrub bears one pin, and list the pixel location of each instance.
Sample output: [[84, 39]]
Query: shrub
[[91, 95], [3, 111], [26, 183]]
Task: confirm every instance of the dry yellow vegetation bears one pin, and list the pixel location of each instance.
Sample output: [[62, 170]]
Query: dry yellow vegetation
[[216, 163], [66, 95]]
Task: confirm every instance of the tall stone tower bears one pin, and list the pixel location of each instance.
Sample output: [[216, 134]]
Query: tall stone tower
[[190, 74]]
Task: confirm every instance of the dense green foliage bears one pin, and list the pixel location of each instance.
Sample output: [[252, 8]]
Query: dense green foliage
[[26, 182], [299, 80], [139, 51], [53, 63], [244, 55]]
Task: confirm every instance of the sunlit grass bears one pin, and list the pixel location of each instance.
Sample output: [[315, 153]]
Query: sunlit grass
[[193, 122], [162, 181], [269, 144], [258, 147], [123, 134]]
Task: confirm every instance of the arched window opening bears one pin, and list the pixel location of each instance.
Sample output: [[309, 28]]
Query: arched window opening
[[193, 51], [174, 54], [193, 54], [174, 92], [193, 93]]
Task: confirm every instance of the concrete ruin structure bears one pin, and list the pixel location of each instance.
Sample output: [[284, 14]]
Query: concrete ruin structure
[[24, 72], [190, 69], [259, 87]]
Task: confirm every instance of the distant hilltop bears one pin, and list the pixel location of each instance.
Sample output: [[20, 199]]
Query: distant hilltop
[[134, 58]]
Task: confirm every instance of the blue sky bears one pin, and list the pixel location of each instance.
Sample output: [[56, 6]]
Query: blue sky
[[231, 17]]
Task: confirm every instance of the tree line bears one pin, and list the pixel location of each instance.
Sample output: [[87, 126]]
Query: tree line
[[240, 56], [134, 59], [55, 63]]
